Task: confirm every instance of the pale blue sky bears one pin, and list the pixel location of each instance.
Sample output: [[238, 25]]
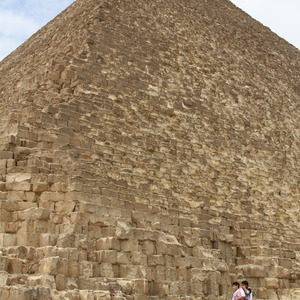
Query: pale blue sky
[[19, 19]]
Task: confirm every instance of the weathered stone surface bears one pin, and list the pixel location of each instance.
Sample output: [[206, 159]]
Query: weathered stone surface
[[150, 150]]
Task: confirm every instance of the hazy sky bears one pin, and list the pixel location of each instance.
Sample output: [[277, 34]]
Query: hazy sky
[[19, 19]]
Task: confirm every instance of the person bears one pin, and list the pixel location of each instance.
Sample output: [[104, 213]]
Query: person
[[247, 290], [238, 293]]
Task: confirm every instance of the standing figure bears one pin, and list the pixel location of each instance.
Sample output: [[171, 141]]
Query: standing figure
[[247, 290], [238, 293]]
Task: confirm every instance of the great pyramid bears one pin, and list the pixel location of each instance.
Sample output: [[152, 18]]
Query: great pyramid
[[150, 150]]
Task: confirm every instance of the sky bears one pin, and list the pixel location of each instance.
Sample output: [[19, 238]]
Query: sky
[[19, 19]]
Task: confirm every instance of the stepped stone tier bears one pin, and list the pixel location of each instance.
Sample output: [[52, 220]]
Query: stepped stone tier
[[150, 150]]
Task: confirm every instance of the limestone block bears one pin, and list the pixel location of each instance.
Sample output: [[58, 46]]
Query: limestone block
[[122, 258], [140, 286], [285, 263], [12, 206], [40, 187], [3, 262], [10, 163], [178, 288], [132, 271], [139, 258], [59, 187], [3, 276], [72, 285], [52, 196], [30, 196], [3, 195], [2, 166], [107, 256], [6, 155], [61, 282], [18, 177], [108, 243], [65, 206], [73, 268], [161, 248], [16, 196], [34, 213], [7, 240], [262, 293], [47, 239], [4, 293], [254, 271], [66, 240], [103, 295], [106, 270], [179, 261], [18, 186], [86, 269], [86, 295], [46, 281], [129, 245], [154, 260], [149, 247], [196, 287], [15, 265], [54, 266], [272, 283]]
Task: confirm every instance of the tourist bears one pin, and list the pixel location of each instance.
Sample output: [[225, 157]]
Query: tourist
[[238, 293], [247, 290]]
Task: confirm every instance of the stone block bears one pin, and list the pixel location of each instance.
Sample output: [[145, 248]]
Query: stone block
[[86, 269], [2, 166], [161, 248], [6, 155], [73, 268], [53, 266], [18, 177], [30, 196], [285, 263], [106, 270], [18, 186], [3, 276], [122, 258], [52, 196], [132, 271], [7, 240], [104, 295], [262, 293], [10, 163], [61, 282], [129, 245], [40, 187], [47, 239], [149, 247], [254, 271], [272, 283], [140, 286], [139, 258], [34, 213], [65, 206], [108, 243], [3, 262], [16, 196], [107, 256]]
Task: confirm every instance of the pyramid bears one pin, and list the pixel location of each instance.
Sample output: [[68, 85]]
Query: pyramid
[[150, 150]]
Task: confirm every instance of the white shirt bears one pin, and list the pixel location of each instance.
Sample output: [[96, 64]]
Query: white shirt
[[239, 293]]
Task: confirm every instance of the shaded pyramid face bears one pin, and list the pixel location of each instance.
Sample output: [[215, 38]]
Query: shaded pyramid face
[[150, 151]]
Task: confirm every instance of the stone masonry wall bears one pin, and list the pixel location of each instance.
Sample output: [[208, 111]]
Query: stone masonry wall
[[150, 151]]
